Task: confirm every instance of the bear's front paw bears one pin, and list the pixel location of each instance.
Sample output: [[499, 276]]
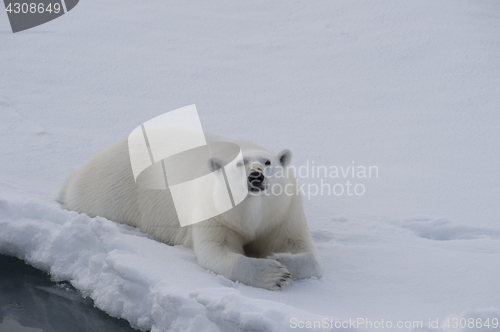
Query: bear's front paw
[[272, 275], [303, 265]]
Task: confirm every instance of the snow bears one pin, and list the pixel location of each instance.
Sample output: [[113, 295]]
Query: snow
[[408, 87], [124, 271]]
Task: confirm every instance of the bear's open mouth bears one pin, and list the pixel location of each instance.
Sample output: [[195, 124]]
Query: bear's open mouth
[[256, 181]]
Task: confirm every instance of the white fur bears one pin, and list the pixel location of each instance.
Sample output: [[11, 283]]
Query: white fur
[[261, 242]]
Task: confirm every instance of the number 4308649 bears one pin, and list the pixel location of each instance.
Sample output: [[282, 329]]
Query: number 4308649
[[471, 323], [32, 8]]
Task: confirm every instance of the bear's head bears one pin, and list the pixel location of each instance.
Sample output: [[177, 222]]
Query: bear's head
[[271, 187], [266, 170]]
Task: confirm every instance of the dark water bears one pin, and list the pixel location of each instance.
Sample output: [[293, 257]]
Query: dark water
[[31, 302]]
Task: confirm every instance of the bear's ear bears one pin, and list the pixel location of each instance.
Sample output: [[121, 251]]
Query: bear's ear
[[215, 163], [285, 157]]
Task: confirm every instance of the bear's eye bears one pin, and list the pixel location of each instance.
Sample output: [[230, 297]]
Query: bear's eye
[[268, 163], [239, 164]]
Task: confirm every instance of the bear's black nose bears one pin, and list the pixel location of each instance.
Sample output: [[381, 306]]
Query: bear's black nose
[[256, 179]]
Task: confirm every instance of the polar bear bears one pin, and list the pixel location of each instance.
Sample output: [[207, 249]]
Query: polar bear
[[262, 242]]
